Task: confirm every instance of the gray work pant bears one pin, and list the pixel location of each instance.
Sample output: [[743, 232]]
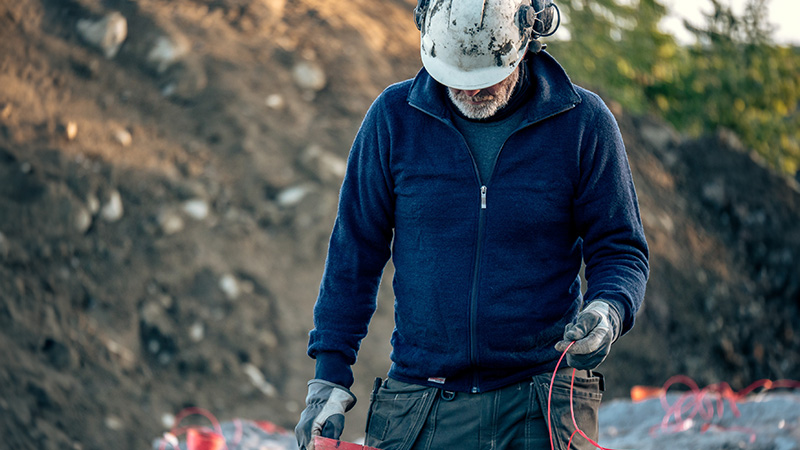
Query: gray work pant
[[406, 416]]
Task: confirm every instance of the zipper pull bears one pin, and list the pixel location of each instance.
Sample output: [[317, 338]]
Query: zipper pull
[[483, 197]]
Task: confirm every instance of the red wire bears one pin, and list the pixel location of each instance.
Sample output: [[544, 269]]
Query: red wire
[[574, 422], [701, 402], [550, 396], [571, 409], [693, 403]]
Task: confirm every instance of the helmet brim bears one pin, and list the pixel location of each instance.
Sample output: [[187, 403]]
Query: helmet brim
[[457, 78]]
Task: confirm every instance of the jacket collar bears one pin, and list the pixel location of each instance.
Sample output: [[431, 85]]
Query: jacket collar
[[553, 92]]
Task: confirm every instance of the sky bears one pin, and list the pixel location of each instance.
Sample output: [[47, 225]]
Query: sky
[[783, 14]]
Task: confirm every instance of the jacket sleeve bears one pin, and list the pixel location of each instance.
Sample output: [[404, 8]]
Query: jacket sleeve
[[607, 217], [360, 246]]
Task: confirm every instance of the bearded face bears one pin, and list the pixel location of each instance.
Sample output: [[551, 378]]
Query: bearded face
[[484, 103]]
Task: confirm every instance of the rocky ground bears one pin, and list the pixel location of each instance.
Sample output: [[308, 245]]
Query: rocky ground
[[169, 175], [767, 422]]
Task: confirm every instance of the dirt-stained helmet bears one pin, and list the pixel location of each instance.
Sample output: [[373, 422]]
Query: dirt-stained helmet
[[473, 44]]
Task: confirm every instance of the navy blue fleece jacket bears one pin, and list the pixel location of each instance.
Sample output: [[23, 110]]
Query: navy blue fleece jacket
[[486, 274]]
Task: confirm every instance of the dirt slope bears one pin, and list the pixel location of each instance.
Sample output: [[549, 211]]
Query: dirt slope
[[164, 217]]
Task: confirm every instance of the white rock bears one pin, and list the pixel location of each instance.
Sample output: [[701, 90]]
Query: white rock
[[153, 313], [327, 166], [168, 420], [666, 222], [71, 130], [275, 101], [258, 380], [166, 51], [197, 332], [112, 210], [82, 219], [93, 203], [309, 75], [170, 222], [292, 195], [117, 349], [196, 208], [113, 423], [123, 137], [106, 34], [113, 346], [229, 286]]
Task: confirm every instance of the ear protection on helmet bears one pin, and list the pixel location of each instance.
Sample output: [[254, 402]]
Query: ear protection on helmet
[[419, 12], [538, 18]]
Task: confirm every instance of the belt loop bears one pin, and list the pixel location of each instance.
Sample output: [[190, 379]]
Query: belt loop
[[377, 385]]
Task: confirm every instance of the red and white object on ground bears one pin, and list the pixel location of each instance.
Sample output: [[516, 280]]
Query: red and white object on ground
[[321, 443], [237, 434], [197, 439]]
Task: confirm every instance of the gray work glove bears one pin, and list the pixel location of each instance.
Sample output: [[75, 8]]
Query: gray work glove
[[594, 330], [326, 404]]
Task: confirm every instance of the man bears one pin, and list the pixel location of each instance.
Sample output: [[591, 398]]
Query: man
[[487, 179]]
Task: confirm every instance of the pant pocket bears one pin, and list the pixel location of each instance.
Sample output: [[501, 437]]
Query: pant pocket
[[586, 397], [397, 413]]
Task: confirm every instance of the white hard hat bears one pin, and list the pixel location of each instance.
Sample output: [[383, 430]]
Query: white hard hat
[[473, 44]]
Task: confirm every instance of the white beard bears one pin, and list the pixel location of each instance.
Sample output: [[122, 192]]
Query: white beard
[[493, 103]]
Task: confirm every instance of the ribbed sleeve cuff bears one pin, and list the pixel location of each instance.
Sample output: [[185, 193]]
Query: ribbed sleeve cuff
[[333, 367]]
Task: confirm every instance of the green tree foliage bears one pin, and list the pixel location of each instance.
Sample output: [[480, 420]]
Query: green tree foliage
[[732, 77], [735, 78], [616, 46]]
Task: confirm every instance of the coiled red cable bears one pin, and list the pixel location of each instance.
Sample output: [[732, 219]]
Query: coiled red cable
[[679, 415]]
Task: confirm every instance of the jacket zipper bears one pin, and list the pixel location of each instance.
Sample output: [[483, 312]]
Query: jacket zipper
[[473, 302]]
